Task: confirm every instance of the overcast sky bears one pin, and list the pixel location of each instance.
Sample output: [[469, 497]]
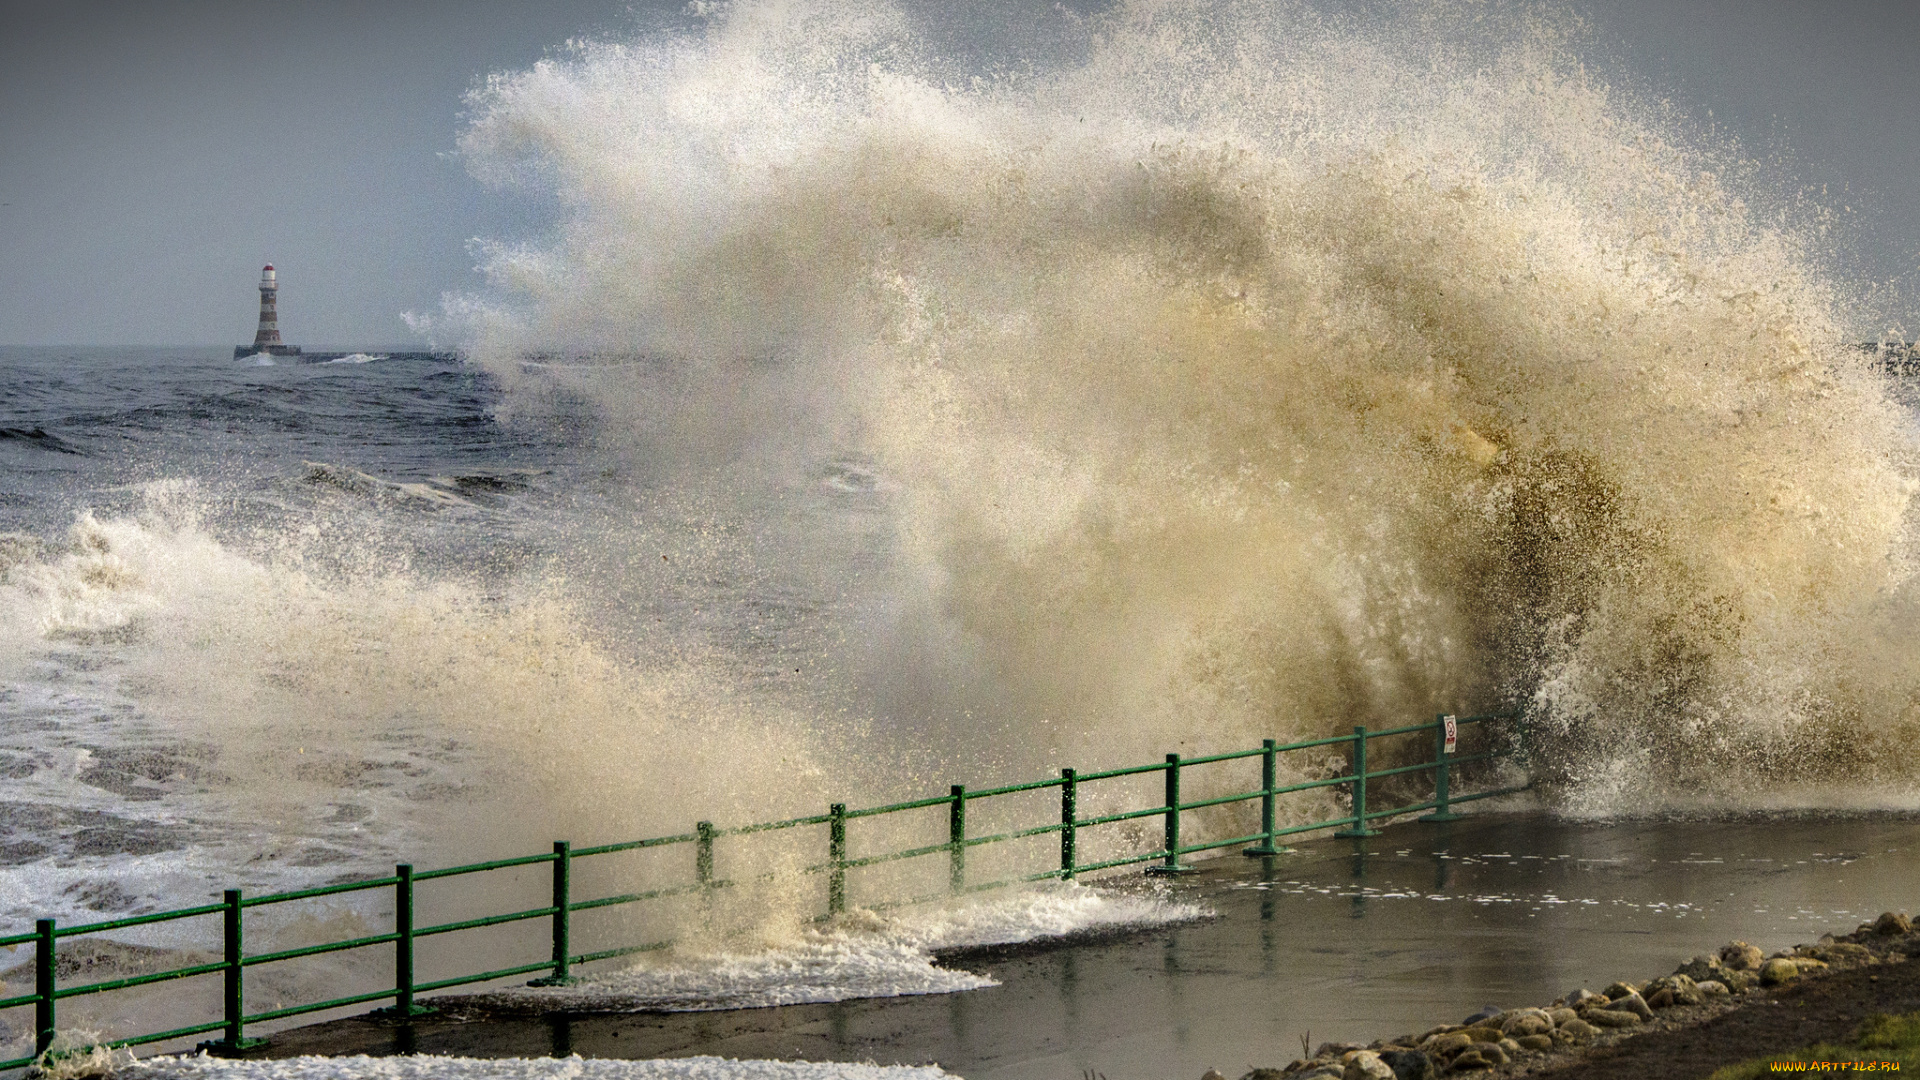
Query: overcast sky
[[154, 154]]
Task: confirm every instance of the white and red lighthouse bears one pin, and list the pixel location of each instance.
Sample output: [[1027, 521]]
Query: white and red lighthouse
[[267, 338]]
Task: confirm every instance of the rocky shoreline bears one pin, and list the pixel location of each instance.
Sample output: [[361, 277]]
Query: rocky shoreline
[[1558, 1037]]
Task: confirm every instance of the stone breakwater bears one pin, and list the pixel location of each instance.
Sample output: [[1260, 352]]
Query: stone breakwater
[[1512, 1042]]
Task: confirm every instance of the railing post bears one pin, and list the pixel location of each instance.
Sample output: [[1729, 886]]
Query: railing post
[[1441, 765], [703, 852], [1069, 829], [1269, 779], [957, 838], [837, 858], [1359, 827], [562, 917], [1172, 863], [43, 984], [403, 942], [234, 995]]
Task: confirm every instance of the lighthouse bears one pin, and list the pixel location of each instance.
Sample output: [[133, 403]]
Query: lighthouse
[[267, 338]]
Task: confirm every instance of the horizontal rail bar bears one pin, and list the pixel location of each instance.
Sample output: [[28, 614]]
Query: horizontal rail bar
[[475, 868], [1131, 770], [1018, 834], [632, 845], [1491, 794], [323, 890], [1315, 827], [1190, 849], [117, 924], [139, 980], [1126, 815], [916, 804], [1009, 789], [489, 920], [485, 976], [16, 1002], [1409, 729], [911, 853], [628, 950], [322, 1006], [163, 1036], [747, 830], [629, 898], [317, 950], [1231, 755]]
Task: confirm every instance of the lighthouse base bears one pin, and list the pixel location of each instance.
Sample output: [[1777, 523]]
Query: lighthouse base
[[242, 351]]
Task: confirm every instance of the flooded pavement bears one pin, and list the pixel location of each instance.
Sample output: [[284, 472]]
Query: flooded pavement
[[1339, 940]]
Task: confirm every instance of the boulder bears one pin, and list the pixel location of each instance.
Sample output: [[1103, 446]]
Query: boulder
[[1611, 1018], [1535, 1042], [1661, 999], [1527, 1022], [1276, 1074], [1892, 924], [1487, 1013], [1616, 991], [1701, 968], [1578, 1029], [1678, 989], [1408, 1064], [1334, 1049], [1472, 1059], [1216, 1074], [1713, 988], [1580, 997], [1492, 1051], [1778, 970], [1485, 1034], [1740, 981], [1561, 1016], [1740, 956], [1509, 1047], [1366, 1065], [1839, 952], [1634, 1004], [1324, 1070], [1451, 1043]]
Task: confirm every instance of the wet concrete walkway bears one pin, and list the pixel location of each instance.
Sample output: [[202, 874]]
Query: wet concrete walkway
[[1340, 940]]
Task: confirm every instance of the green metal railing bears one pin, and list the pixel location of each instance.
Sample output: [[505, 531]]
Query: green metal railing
[[558, 967]]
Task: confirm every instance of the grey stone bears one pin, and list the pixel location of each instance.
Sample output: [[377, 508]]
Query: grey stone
[[1408, 1064], [1611, 1018], [1633, 1003], [1778, 970], [1702, 968], [1487, 1013], [1740, 956], [1366, 1065], [1892, 924], [1713, 988]]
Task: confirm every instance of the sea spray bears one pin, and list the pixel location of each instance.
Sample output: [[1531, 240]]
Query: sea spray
[[1244, 371]]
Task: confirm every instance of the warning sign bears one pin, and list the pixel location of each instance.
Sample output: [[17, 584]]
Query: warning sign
[[1452, 730]]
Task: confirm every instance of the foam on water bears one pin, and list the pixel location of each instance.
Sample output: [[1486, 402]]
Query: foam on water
[[435, 1067], [1245, 371], [864, 956]]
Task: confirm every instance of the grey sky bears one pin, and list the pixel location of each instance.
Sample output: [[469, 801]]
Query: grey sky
[[154, 154]]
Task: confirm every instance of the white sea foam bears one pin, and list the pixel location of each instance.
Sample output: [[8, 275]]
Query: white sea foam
[[432, 1067], [1245, 370], [357, 358], [863, 956]]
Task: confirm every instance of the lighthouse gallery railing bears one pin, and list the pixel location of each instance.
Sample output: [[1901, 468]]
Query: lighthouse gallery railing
[[557, 967]]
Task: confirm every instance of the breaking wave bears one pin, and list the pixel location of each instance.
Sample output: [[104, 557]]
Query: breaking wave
[[1239, 370]]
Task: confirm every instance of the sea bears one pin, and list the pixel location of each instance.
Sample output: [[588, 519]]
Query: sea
[[872, 417]]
